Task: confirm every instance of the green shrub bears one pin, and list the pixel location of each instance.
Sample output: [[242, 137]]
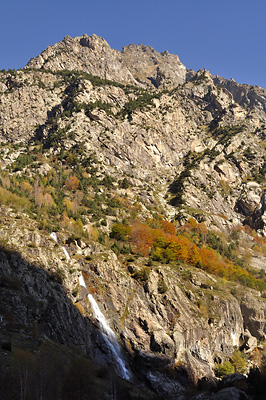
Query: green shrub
[[239, 362], [223, 369], [141, 103], [124, 184], [142, 275], [13, 200], [248, 153], [22, 161], [58, 275], [162, 287], [116, 248], [120, 231]]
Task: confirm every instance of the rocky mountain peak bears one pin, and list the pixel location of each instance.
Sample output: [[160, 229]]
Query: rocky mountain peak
[[135, 64], [94, 42], [151, 67], [90, 54]]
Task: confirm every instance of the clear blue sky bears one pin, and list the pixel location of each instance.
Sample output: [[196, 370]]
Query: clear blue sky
[[226, 37]]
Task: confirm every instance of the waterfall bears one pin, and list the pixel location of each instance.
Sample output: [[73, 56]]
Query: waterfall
[[110, 339], [66, 253], [262, 202], [53, 236], [82, 282], [108, 335]]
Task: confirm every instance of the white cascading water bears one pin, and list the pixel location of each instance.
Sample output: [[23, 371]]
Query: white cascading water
[[108, 335], [53, 236], [82, 282], [66, 253]]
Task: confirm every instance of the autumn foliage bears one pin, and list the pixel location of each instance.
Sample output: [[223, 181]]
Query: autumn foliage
[[72, 183], [160, 240]]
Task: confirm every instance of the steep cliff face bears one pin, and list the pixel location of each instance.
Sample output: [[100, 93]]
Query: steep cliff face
[[92, 139]]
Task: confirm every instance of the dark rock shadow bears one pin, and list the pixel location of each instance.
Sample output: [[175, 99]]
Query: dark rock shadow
[[35, 307]]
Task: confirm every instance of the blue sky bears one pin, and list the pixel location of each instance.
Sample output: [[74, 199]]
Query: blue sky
[[227, 37]]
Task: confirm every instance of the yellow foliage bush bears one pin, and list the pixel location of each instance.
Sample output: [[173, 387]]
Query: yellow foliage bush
[[13, 200]]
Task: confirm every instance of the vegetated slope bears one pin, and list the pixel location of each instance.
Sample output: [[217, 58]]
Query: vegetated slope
[[106, 162]]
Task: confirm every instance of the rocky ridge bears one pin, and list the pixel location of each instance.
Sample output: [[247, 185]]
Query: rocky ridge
[[137, 65]]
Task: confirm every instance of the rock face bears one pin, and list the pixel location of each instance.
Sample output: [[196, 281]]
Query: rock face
[[245, 95], [150, 67]]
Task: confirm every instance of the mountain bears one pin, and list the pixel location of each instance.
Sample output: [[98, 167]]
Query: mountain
[[153, 177], [137, 65]]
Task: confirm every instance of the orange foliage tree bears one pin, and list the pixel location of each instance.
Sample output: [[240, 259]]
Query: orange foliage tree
[[142, 238], [168, 227], [193, 255], [72, 183], [179, 246]]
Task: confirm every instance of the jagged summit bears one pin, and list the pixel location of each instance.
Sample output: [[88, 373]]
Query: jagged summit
[[135, 64], [91, 54]]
